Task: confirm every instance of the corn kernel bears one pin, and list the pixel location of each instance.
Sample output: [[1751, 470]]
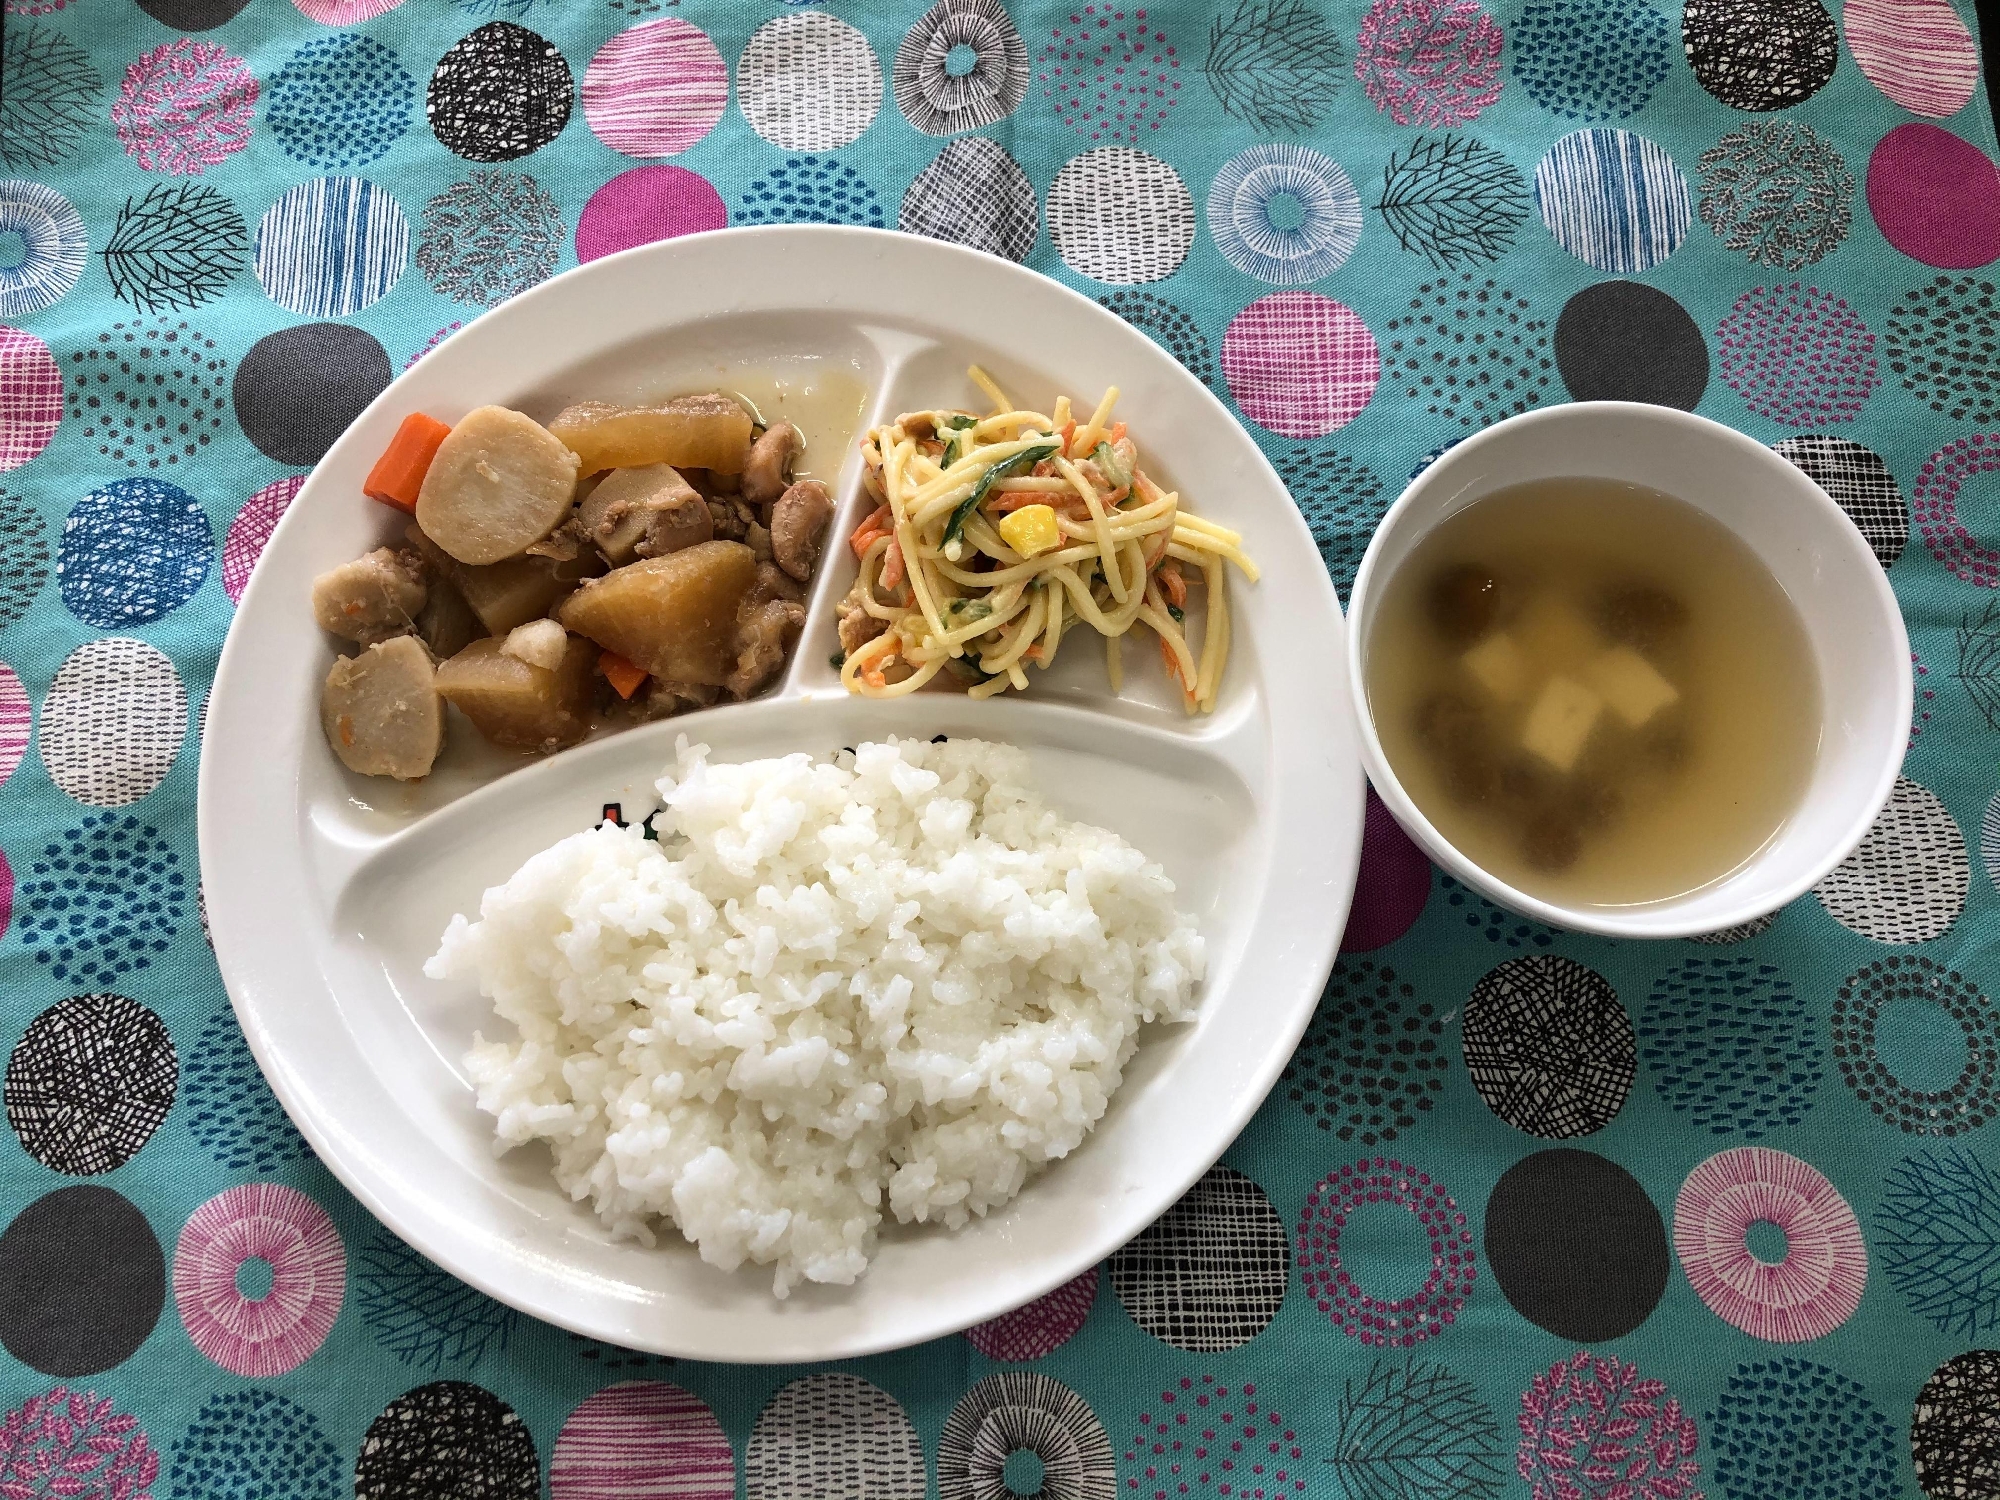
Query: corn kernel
[[1030, 530]]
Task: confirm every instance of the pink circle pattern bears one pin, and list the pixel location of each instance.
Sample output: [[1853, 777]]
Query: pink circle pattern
[[1394, 886], [6, 894], [644, 205], [642, 1438], [1299, 364], [15, 719], [1798, 355], [1816, 1286], [1429, 62], [279, 1331], [1401, 1322], [184, 107], [655, 88], [251, 529], [344, 12], [77, 1445], [1593, 1429], [1935, 196], [1200, 1440], [1040, 1328], [1934, 507], [1917, 52], [31, 397], [1112, 78]]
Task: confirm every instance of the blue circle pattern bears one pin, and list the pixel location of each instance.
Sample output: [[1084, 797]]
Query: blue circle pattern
[[332, 246], [1592, 59], [810, 190], [230, 1109], [1240, 218], [341, 101], [1489, 921], [102, 902], [1730, 1043], [255, 1445], [53, 237], [1792, 1427], [1613, 199], [132, 552]]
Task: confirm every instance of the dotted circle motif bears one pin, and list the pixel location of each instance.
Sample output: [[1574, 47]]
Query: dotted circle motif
[[1906, 882], [642, 1438], [1797, 355], [184, 107], [1372, 1059], [1169, 326], [1040, 1328], [1253, 184], [1860, 484], [101, 902], [1969, 1100], [24, 558], [1760, 55], [1401, 1322], [230, 1111], [1613, 199], [1121, 216], [1596, 1415], [1342, 501], [1549, 1046], [833, 1434], [1592, 59], [1299, 364], [940, 100], [133, 552], [1939, 482], [810, 190], [1778, 193], [251, 1443], [89, 1082], [1210, 1273], [115, 715], [1024, 1410], [1938, 342], [808, 82], [1732, 1044], [655, 88], [1202, 1438], [342, 101], [271, 1335], [1792, 1427], [1481, 915], [149, 393], [974, 194], [53, 245], [1955, 1427], [501, 92], [1813, 1288], [1470, 350], [16, 720], [449, 1440], [31, 397], [1112, 77], [491, 237]]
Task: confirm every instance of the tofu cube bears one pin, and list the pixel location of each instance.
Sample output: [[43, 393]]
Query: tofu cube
[[1559, 724], [1629, 683], [1497, 665]]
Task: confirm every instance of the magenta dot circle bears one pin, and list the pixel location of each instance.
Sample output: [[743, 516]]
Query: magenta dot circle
[[655, 88], [1934, 507], [1380, 1322], [259, 1337], [250, 530], [1394, 884], [1300, 364], [31, 397], [1935, 197], [644, 205]]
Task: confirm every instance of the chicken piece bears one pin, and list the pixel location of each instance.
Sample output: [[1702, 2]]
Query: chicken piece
[[665, 698], [517, 704], [798, 527], [499, 483], [565, 544], [373, 598], [768, 470], [512, 592], [381, 711], [764, 637], [729, 520], [702, 432], [673, 616], [758, 539], [773, 582], [645, 512], [857, 626]]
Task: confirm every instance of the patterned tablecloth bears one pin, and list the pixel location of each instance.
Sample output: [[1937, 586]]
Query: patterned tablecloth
[[1529, 1214]]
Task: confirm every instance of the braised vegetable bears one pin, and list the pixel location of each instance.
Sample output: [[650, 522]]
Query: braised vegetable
[[509, 593], [644, 512], [498, 484], [689, 432], [517, 704], [398, 475], [372, 598], [674, 616], [620, 673], [539, 643], [446, 622], [380, 710]]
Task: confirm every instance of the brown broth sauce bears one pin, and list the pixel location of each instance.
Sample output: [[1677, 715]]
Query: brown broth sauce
[[1594, 691]]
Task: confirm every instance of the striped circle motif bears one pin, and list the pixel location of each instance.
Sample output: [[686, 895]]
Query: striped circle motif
[[53, 247], [940, 100], [655, 88], [1121, 216], [833, 1434], [1024, 1411], [808, 82], [974, 194], [1906, 882], [133, 552], [1917, 52], [273, 1334], [1257, 188], [1299, 364], [642, 1440], [251, 529], [1613, 199], [113, 721], [331, 247], [1813, 1288], [16, 719], [31, 397]]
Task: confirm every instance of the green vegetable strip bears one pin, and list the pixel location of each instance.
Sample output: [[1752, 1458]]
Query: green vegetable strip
[[1027, 458]]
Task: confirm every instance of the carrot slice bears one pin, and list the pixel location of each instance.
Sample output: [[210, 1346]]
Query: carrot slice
[[892, 565], [399, 473], [620, 673]]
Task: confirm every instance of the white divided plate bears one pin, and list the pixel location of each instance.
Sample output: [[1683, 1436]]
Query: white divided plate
[[326, 891]]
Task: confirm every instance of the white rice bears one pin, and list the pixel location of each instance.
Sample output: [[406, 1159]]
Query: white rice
[[893, 980]]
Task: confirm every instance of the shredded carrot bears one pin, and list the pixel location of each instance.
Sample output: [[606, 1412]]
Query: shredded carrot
[[1068, 432], [1173, 662], [1013, 500], [1034, 652], [398, 474], [873, 674], [892, 565], [620, 673], [1173, 585], [875, 523], [1117, 432]]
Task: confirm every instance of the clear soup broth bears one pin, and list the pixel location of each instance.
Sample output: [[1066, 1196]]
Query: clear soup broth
[[1595, 691]]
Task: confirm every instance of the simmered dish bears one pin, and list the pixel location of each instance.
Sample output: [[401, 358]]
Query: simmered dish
[[993, 537], [622, 563], [817, 994]]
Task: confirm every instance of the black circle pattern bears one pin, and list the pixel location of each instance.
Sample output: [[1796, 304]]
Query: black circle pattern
[[1342, 501], [192, 15], [24, 557], [1372, 1059], [82, 1281], [449, 1440], [1469, 350], [1210, 1273], [1955, 1428], [1169, 327], [101, 903], [939, 101], [499, 93], [1760, 55], [1576, 1245], [299, 388], [1024, 1411], [148, 393], [1966, 1103], [1549, 1046], [1860, 484], [1943, 339], [1626, 341], [89, 1083]]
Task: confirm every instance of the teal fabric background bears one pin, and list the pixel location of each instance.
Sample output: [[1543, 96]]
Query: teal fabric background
[[1855, 1035]]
